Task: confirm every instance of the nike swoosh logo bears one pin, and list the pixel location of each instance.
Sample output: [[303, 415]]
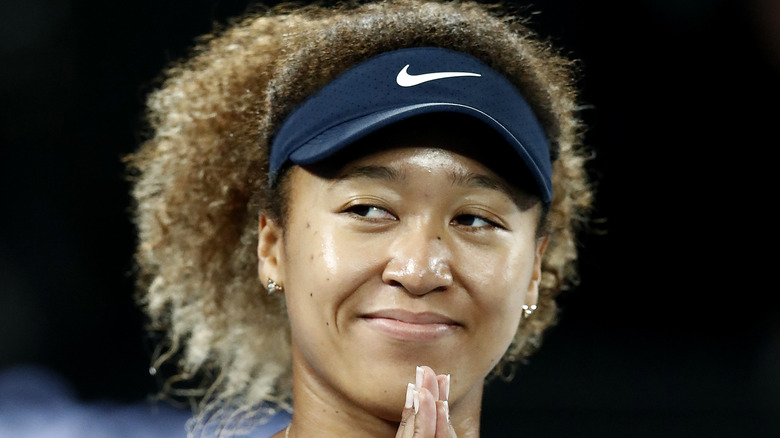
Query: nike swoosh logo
[[404, 79]]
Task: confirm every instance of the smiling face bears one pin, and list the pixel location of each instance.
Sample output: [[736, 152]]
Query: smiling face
[[411, 255]]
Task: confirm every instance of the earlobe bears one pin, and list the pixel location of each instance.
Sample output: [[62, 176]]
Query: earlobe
[[269, 250], [532, 295]]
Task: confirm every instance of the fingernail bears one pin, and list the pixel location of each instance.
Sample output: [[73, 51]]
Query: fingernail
[[447, 409], [416, 401], [447, 388], [419, 377], [409, 396]]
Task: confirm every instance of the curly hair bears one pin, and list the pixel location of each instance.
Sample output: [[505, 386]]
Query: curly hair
[[200, 179]]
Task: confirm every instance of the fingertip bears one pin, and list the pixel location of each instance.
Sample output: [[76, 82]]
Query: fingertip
[[409, 403], [426, 417], [442, 418], [445, 406], [426, 398], [443, 381]]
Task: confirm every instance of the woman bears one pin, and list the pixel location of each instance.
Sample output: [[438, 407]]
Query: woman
[[404, 177]]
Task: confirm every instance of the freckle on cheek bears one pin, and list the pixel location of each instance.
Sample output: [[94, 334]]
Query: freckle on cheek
[[308, 225]]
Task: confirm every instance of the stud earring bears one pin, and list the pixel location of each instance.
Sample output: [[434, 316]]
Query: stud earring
[[272, 287], [528, 310]]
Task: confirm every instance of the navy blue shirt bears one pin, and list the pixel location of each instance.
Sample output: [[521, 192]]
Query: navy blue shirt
[[35, 402]]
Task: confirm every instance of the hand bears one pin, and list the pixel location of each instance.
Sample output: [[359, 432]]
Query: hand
[[426, 412]]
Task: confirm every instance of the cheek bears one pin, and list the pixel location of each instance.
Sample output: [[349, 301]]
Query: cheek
[[325, 264], [507, 270], [499, 282]]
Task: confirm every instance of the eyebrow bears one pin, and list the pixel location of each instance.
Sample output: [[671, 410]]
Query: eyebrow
[[458, 178], [478, 180], [373, 172]]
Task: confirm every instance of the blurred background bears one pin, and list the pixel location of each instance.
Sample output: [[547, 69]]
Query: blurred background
[[675, 328]]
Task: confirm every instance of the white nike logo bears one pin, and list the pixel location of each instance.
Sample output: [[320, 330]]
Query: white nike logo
[[404, 79]]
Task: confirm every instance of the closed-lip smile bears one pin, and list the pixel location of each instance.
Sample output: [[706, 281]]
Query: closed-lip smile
[[411, 326]]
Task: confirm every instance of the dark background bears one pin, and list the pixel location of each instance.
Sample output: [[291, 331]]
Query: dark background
[[675, 329]]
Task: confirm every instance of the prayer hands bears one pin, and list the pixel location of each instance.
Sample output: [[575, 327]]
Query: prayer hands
[[426, 412]]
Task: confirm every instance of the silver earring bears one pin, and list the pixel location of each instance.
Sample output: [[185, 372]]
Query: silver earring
[[272, 287], [528, 310]]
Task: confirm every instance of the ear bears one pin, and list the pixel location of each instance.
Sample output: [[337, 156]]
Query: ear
[[532, 295], [269, 251]]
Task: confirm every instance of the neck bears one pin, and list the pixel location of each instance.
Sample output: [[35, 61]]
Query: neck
[[323, 411]]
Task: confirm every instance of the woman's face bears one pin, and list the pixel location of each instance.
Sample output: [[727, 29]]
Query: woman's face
[[413, 255]]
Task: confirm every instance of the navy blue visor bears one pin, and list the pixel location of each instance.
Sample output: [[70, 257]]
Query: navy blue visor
[[397, 85]]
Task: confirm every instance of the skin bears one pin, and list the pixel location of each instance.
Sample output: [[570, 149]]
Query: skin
[[411, 256]]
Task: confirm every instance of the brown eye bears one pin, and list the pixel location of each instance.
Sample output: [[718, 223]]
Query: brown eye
[[369, 212], [470, 220]]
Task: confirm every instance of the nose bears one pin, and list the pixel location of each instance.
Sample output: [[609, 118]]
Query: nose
[[419, 260]]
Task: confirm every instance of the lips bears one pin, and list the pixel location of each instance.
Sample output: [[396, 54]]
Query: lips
[[411, 326]]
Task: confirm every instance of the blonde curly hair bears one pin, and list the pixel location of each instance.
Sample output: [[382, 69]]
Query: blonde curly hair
[[200, 179]]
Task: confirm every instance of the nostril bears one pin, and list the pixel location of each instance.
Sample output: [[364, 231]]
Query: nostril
[[395, 283]]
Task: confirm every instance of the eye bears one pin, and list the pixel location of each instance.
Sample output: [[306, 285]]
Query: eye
[[471, 220], [369, 212]]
